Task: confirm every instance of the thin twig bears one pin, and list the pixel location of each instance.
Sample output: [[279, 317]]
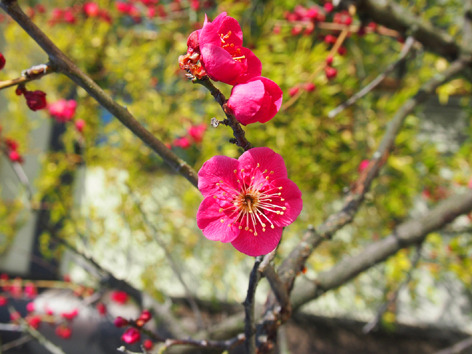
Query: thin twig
[[393, 298], [249, 304], [34, 73], [173, 264], [238, 132], [16, 343], [374, 83], [223, 345], [46, 343]]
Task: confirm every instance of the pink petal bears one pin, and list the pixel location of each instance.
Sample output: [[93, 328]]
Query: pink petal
[[230, 26], [292, 202], [213, 171], [209, 35], [209, 221], [263, 243], [257, 100], [245, 101], [218, 19], [254, 66], [267, 160], [219, 64]]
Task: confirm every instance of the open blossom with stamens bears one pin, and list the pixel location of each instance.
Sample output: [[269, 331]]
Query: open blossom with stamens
[[222, 53], [247, 201]]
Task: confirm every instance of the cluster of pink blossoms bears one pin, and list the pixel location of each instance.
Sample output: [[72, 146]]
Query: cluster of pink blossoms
[[217, 50], [132, 334], [248, 201]]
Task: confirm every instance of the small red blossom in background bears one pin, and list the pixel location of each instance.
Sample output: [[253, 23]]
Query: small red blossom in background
[[65, 15], [63, 332], [30, 290], [14, 156], [79, 125], [69, 316], [145, 315], [363, 165], [197, 132], [293, 91], [30, 307], [119, 297], [3, 300], [148, 344], [328, 7], [247, 201], [35, 100], [222, 54], [182, 142], [12, 152], [15, 316], [91, 9], [101, 308], [2, 61], [329, 39], [331, 73], [63, 110], [257, 100], [120, 322], [131, 336], [309, 87], [34, 321]]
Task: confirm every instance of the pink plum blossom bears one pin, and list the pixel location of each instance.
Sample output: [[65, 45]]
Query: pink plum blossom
[[247, 201], [363, 165], [63, 110], [182, 142], [222, 53], [257, 100], [131, 336], [197, 132]]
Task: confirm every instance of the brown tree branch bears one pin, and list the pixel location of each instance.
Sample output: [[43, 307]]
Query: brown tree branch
[[61, 63], [392, 15], [407, 234]]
